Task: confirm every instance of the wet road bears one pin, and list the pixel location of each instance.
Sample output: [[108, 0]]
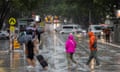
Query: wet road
[[10, 62], [54, 52], [4, 45], [109, 55]]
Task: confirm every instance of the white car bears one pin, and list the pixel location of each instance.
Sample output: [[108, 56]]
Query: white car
[[4, 35]]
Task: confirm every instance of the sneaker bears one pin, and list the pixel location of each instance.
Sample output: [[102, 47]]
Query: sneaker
[[69, 67], [30, 67], [45, 68]]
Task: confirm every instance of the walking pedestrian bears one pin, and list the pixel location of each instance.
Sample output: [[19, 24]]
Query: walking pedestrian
[[93, 48], [70, 49], [107, 34], [39, 31], [30, 53]]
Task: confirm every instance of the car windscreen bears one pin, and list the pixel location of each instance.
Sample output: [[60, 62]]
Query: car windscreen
[[98, 27], [67, 27]]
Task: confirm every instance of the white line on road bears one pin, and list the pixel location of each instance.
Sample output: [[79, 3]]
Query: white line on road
[[62, 43], [114, 45]]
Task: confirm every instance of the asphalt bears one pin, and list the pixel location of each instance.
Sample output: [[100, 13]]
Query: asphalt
[[53, 50]]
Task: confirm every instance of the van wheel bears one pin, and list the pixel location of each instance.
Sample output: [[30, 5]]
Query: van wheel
[[62, 33]]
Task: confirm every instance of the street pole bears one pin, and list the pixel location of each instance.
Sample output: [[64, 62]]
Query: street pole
[[11, 41]]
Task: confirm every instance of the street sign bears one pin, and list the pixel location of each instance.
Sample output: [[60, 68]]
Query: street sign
[[12, 28], [12, 21]]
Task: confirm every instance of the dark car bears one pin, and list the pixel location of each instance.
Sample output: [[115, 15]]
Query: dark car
[[4, 35]]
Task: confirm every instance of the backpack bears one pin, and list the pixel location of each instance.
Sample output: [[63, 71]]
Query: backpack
[[95, 44], [39, 30], [21, 38]]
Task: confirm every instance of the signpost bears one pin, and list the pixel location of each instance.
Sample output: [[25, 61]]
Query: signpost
[[12, 21], [12, 28]]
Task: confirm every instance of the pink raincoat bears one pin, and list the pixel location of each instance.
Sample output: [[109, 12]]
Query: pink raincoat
[[70, 44]]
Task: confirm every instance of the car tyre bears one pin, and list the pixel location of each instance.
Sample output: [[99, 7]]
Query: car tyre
[[7, 37]]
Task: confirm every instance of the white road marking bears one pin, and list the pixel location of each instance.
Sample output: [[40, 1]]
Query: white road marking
[[114, 45]]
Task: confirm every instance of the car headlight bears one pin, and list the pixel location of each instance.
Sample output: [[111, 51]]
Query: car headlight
[[101, 33], [84, 31]]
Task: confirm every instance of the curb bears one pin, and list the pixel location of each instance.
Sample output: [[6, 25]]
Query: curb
[[111, 44]]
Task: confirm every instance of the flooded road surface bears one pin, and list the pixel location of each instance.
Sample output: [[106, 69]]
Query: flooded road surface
[[53, 49], [108, 55]]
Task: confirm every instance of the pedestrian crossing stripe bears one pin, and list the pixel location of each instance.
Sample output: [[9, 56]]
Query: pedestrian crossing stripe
[[12, 21]]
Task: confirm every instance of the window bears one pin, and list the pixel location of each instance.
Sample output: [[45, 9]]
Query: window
[[98, 28], [67, 27], [76, 27]]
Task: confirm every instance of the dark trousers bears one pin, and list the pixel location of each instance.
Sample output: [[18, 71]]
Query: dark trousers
[[107, 38], [39, 37], [93, 54]]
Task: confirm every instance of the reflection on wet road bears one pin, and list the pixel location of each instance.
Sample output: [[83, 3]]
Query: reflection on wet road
[[106, 53], [4, 45], [54, 52]]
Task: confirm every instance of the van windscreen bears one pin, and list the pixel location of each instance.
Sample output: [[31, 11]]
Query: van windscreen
[[67, 27], [98, 28]]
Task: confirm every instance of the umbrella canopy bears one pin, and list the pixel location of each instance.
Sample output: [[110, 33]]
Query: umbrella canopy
[[30, 28]]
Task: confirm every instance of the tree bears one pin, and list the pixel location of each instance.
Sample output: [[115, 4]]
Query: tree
[[78, 10], [17, 8], [98, 8]]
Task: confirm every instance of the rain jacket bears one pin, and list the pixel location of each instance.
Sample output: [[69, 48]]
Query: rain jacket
[[70, 44], [92, 39]]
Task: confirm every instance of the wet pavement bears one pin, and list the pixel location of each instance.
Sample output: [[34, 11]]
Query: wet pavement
[[54, 52], [4, 45]]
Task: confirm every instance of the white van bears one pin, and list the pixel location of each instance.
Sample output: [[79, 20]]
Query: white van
[[97, 29], [70, 28]]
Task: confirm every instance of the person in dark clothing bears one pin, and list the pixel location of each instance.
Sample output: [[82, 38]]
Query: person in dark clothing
[[107, 34], [38, 33], [39, 36], [30, 53]]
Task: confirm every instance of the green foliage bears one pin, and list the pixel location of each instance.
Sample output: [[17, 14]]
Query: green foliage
[[68, 8], [26, 4]]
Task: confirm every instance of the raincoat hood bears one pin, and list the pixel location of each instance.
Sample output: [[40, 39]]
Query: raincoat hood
[[91, 34], [70, 37]]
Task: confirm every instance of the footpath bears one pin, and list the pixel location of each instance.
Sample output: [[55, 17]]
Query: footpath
[[110, 43]]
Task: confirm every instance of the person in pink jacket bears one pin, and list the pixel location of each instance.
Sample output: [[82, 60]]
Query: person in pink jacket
[[70, 46]]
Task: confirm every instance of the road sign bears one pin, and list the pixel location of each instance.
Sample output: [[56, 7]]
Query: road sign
[[12, 21], [12, 28]]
